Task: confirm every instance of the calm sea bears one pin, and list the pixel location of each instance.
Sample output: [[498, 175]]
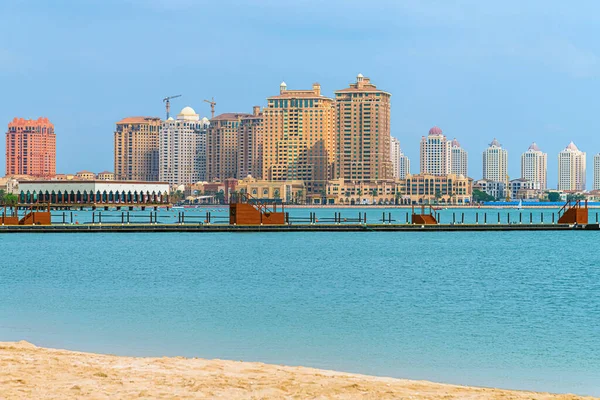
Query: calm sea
[[516, 310]]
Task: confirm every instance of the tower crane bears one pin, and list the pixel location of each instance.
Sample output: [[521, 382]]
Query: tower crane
[[212, 107], [167, 101]]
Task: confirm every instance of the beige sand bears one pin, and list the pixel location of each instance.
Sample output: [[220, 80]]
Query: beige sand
[[30, 372]]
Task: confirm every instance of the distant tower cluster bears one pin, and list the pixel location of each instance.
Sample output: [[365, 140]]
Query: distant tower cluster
[[459, 165], [571, 169], [534, 166], [495, 162], [31, 148], [436, 153], [182, 148]]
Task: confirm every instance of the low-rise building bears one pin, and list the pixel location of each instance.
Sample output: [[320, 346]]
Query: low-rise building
[[347, 192], [106, 176], [433, 189], [289, 192], [93, 192], [85, 175], [496, 189], [524, 189]]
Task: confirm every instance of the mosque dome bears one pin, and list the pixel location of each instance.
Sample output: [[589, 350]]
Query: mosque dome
[[435, 131], [187, 111]]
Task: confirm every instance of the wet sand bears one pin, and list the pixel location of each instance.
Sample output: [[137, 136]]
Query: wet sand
[[30, 372]]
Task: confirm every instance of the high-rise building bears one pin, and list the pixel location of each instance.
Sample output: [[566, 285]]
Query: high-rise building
[[571, 169], [222, 145], [534, 166], [435, 153], [459, 157], [403, 165], [298, 137], [400, 162], [182, 150], [495, 163], [597, 172], [31, 148], [395, 156], [250, 145], [136, 149], [362, 132]]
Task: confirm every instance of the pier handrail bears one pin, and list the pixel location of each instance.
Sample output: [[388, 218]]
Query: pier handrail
[[567, 205], [243, 197]]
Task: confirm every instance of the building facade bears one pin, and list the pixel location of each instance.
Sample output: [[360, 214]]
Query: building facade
[[459, 164], [222, 146], [534, 166], [136, 149], [571, 169], [434, 189], [395, 156], [250, 145], [403, 165], [435, 153], [31, 148], [182, 149], [496, 189], [289, 192], [495, 163], [597, 172], [105, 176], [524, 189], [362, 132], [93, 192], [298, 137], [85, 175]]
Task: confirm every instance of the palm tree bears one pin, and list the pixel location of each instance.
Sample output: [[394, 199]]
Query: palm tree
[[438, 196], [374, 193], [323, 196], [299, 195]]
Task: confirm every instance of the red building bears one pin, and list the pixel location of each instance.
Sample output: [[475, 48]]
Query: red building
[[31, 148]]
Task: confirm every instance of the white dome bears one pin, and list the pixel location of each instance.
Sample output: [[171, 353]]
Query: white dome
[[204, 119], [360, 76], [170, 119], [187, 111], [283, 84]]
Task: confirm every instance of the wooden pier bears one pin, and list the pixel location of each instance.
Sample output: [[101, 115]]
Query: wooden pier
[[139, 228]]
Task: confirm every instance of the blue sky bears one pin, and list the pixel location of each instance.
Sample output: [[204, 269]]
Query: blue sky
[[518, 71]]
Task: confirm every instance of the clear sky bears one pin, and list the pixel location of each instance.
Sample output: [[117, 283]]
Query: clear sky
[[519, 71]]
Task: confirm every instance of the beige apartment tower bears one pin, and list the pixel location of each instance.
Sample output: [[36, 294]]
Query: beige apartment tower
[[250, 145], [362, 132], [222, 146], [136, 149], [298, 137]]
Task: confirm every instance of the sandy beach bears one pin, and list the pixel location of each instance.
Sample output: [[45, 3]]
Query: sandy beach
[[30, 372]]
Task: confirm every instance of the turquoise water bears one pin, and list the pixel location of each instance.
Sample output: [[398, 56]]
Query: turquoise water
[[510, 309]]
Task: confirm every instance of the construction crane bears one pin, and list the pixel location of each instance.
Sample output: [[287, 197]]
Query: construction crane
[[167, 101], [212, 107]]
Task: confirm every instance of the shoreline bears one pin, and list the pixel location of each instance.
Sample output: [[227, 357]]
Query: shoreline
[[29, 371]]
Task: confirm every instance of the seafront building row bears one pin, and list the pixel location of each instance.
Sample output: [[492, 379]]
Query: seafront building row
[[339, 148]]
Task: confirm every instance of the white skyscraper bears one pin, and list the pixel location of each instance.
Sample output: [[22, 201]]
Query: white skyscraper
[[597, 172], [534, 166], [182, 148], [435, 153], [495, 162], [403, 165], [395, 156], [571, 169], [459, 165]]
